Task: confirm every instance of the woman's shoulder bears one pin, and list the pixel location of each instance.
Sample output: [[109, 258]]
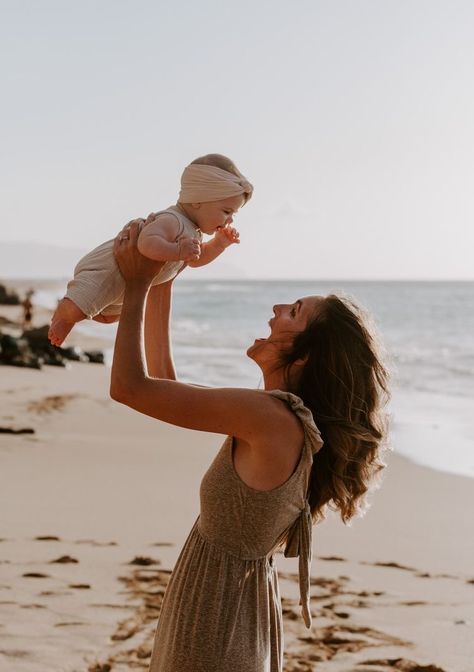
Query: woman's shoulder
[[279, 419], [299, 410]]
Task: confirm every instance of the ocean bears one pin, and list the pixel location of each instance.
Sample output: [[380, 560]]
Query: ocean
[[427, 329]]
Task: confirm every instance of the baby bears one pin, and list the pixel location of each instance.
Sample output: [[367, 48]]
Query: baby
[[212, 190]]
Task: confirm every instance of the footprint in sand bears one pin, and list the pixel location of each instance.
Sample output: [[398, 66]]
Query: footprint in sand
[[418, 573], [47, 537], [36, 575], [51, 403], [333, 640], [64, 560], [143, 561], [395, 565], [125, 630], [403, 665], [16, 653], [20, 430], [93, 542]]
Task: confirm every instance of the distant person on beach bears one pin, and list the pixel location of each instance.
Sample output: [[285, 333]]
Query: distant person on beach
[[27, 305], [309, 441], [212, 191]]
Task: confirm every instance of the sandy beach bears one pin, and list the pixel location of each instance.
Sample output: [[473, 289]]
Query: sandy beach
[[97, 502]]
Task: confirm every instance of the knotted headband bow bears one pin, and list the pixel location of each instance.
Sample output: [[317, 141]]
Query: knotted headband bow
[[203, 184]]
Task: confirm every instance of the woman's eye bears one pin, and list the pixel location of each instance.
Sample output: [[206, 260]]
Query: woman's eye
[[293, 312]]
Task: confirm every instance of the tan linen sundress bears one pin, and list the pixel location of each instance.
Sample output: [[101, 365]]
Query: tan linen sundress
[[222, 610]]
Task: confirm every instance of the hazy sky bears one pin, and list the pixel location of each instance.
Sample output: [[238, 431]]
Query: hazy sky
[[354, 119]]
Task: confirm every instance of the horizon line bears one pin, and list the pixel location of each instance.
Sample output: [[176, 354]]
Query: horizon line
[[250, 279]]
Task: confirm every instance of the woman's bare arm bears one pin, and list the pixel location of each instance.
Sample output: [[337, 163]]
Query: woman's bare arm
[[158, 350]]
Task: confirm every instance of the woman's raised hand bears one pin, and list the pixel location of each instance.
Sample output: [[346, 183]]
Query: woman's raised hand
[[133, 266]]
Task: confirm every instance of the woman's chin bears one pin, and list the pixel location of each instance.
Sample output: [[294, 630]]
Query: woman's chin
[[255, 347]]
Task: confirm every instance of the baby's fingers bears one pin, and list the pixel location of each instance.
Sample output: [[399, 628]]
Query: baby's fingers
[[233, 235], [150, 217], [132, 226]]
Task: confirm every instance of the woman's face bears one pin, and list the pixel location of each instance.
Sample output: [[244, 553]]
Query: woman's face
[[289, 319]]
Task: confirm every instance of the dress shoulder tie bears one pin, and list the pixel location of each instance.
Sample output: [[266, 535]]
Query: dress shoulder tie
[[299, 545]]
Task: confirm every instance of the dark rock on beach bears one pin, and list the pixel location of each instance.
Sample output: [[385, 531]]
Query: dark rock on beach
[[17, 352], [65, 560], [95, 356], [33, 349], [8, 297], [12, 430]]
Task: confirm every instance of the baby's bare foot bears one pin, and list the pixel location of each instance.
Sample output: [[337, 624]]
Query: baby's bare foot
[[65, 317]]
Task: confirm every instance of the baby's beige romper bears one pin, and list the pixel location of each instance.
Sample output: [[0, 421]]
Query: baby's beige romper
[[222, 610], [98, 286]]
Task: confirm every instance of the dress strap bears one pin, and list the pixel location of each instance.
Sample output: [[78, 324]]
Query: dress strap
[[299, 544], [313, 435]]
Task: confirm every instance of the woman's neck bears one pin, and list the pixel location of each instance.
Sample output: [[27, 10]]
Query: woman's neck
[[280, 379], [274, 380]]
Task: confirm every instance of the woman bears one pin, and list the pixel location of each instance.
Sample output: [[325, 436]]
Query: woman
[[272, 478]]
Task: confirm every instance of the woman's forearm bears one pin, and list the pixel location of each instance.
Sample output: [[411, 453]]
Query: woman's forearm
[[129, 364], [158, 348]]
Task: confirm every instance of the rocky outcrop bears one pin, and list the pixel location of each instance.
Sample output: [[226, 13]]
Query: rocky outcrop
[[33, 350], [8, 297]]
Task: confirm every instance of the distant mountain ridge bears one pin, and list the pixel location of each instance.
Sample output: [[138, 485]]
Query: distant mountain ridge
[[41, 261], [37, 260]]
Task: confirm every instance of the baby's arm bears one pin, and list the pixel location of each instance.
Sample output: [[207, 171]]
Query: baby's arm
[[157, 241], [216, 246]]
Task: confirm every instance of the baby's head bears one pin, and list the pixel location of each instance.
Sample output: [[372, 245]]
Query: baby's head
[[212, 190]]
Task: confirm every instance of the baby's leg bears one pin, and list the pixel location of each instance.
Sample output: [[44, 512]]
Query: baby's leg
[[106, 319], [65, 317]]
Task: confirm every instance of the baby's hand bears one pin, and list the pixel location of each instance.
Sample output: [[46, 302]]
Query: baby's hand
[[227, 236], [189, 249], [150, 217]]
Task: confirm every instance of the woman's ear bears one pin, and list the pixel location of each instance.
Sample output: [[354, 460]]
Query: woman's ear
[[301, 361]]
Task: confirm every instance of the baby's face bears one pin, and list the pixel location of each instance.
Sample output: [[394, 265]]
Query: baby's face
[[217, 214]]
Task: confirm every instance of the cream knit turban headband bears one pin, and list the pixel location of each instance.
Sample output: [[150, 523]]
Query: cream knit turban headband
[[202, 184]]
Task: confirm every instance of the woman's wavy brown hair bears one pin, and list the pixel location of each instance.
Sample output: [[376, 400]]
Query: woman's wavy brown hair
[[344, 383]]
